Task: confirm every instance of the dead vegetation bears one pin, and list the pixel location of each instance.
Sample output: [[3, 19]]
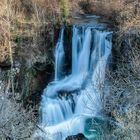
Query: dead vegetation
[[122, 104], [15, 122], [28, 29], [23, 24]]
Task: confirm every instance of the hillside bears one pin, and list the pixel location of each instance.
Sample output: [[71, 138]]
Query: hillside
[[29, 30]]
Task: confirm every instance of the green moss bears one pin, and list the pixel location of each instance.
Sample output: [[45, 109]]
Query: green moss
[[64, 5]]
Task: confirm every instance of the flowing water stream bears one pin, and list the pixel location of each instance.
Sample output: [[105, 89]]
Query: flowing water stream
[[70, 100]]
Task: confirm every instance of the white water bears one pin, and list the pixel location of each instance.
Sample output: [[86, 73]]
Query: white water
[[59, 56], [69, 102]]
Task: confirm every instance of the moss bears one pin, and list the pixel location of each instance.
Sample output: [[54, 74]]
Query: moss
[[64, 6]]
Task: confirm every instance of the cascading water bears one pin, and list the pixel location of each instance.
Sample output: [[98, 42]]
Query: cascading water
[[59, 56], [67, 103]]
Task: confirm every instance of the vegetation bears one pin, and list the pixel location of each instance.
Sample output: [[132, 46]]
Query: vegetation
[[122, 104], [64, 5], [28, 32]]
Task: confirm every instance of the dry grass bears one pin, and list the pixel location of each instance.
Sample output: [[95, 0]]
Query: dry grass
[[129, 17], [22, 20], [5, 48]]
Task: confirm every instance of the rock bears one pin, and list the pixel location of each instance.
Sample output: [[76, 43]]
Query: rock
[[76, 137], [5, 65]]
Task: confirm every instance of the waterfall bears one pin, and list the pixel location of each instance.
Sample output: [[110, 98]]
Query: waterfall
[[69, 101], [59, 56]]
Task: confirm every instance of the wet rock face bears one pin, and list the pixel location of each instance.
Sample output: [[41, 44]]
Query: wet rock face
[[67, 48], [76, 137]]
